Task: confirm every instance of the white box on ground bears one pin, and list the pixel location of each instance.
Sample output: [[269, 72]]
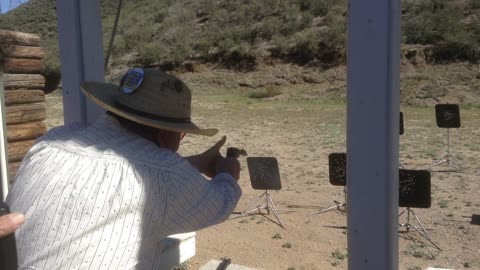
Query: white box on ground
[[176, 249]]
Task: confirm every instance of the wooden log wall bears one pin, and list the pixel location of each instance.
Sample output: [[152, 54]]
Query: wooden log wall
[[22, 64]]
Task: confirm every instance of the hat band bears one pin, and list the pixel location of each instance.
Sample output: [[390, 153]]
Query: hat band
[[152, 116]]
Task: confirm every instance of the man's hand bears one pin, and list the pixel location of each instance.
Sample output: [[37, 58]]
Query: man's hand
[[9, 223], [206, 162], [229, 165]]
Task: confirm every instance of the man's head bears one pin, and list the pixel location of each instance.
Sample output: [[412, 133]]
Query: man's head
[[149, 97], [162, 138]]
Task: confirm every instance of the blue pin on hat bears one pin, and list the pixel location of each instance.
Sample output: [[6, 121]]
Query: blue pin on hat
[[132, 80]]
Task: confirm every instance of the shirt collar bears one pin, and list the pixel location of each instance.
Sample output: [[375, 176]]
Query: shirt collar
[[109, 127]]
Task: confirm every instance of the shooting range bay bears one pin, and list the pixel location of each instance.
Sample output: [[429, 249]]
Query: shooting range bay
[[301, 132]]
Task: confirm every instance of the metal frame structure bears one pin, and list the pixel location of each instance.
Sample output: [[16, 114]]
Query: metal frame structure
[[446, 157], [81, 56], [421, 230], [372, 114], [342, 207], [373, 92], [268, 205]]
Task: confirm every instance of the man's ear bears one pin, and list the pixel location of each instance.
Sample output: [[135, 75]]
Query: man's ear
[[168, 139]]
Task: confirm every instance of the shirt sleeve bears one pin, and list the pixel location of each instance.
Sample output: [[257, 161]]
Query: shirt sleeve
[[194, 203]]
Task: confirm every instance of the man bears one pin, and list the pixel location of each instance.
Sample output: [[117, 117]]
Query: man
[[102, 197]]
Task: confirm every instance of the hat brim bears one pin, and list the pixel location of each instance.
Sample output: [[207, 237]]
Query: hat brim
[[104, 95]]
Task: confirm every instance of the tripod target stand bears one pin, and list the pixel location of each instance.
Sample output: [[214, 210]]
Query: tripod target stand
[[447, 116], [337, 174], [402, 131], [264, 175], [415, 192]]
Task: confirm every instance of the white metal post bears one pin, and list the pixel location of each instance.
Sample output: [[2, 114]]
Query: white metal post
[[81, 54], [372, 133]]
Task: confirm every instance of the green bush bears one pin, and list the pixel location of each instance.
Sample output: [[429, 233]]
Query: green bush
[[315, 7], [475, 4], [149, 53], [265, 93], [430, 23], [300, 31], [269, 27], [138, 35]]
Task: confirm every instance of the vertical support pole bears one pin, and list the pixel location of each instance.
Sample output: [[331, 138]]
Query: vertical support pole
[[448, 146], [372, 133], [81, 55], [3, 139]]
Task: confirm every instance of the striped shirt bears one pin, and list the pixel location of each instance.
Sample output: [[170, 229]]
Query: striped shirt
[[102, 197]]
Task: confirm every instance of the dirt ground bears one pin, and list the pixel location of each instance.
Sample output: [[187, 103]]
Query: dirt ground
[[300, 131]]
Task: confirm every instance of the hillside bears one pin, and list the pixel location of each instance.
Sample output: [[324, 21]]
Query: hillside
[[279, 45], [242, 34]]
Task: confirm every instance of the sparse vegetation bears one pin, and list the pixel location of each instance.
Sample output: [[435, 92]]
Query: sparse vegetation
[[287, 245], [339, 255], [419, 250], [277, 236], [265, 93], [183, 266], [336, 263], [443, 203], [240, 34]]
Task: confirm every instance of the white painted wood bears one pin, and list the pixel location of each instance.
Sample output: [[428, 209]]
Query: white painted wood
[[3, 140], [81, 55], [176, 249], [372, 133]]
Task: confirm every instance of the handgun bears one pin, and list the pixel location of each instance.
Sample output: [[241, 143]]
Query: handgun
[[235, 152]]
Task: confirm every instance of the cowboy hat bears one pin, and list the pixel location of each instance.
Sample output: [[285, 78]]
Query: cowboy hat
[[150, 97]]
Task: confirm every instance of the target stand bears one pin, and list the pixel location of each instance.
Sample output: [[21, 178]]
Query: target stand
[[475, 219], [337, 174], [415, 192], [447, 116], [264, 175], [402, 131]]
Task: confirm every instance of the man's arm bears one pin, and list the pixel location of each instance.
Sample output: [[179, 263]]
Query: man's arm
[[194, 203], [206, 162]]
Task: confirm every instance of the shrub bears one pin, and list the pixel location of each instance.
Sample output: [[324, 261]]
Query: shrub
[[265, 93], [269, 27], [475, 4], [149, 53], [138, 35], [337, 254]]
